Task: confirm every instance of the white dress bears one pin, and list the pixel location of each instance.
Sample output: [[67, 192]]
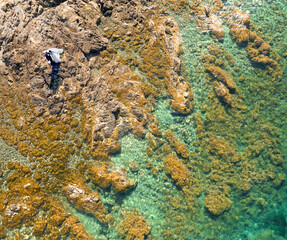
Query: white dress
[[55, 54]]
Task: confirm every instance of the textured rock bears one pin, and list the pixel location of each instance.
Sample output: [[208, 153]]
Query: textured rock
[[176, 170], [207, 19], [179, 146], [222, 92], [133, 226], [216, 202], [29, 28], [215, 26], [222, 76], [21, 202], [117, 178], [85, 200], [238, 22]]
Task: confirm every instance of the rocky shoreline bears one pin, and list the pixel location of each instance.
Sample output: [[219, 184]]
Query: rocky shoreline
[[121, 59]]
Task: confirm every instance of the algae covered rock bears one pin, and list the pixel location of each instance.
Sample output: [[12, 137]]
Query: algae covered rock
[[28, 28], [85, 200], [20, 202], [120, 181], [133, 226], [176, 170], [215, 26], [39, 227], [3, 232], [117, 178], [179, 146], [216, 202]]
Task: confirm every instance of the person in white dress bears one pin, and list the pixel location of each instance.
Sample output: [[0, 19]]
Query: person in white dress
[[53, 57]]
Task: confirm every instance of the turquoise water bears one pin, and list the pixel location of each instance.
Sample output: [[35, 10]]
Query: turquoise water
[[256, 131]]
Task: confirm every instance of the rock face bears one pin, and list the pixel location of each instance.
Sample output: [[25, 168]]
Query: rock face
[[29, 27]]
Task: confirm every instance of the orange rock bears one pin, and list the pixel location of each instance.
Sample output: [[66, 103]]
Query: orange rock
[[100, 176], [239, 33], [76, 229], [179, 146], [20, 202], [179, 89], [68, 223], [117, 178], [239, 17], [176, 170], [222, 92], [208, 58], [216, 202], [252, 36], [39, 227], [84, 199], [207, 19], [264, 48], [257, 50], [215, 26], [238, 22], [154, 129], [214, 50], [120, 182], [133, 226], [222, 76]]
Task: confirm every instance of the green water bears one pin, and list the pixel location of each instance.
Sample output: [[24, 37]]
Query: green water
[[257, 214]]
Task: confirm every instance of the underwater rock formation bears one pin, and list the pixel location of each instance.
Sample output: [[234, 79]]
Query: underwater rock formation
[[179, 146], [220, 75], [133, 226], [216, 202], [117, 178], [85, 201], [176, 170]]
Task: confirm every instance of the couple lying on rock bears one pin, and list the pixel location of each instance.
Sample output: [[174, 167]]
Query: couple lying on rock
[[53, 57]]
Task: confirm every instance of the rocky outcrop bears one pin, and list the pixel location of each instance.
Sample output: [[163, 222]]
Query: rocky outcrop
[[257, 50], [133, 225], [113, 96], [29, 27], [117, 178], [84, 199], [208, 20], [216, 202], [21, 202], [176, 170]]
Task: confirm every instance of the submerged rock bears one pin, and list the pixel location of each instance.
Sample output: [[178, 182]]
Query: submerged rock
[[85, 200], [117, 178], [133, 225], [216, 202]]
